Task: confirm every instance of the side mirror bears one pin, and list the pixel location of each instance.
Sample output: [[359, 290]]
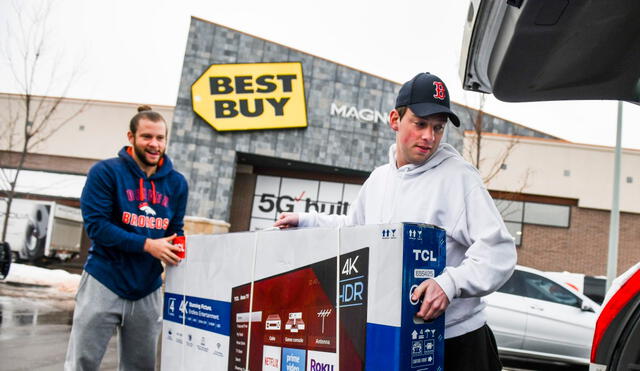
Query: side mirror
[[586, 307]]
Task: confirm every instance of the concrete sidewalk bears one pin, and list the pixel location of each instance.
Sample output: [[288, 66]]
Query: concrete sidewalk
[[35, 324]]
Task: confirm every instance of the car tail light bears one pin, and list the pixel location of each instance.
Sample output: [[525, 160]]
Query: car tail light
[[609, 312]]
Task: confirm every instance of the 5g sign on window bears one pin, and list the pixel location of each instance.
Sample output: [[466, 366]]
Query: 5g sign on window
[[286, 203], [275, 195]]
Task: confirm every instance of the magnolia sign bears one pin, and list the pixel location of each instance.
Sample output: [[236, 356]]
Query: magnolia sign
[[364, 115]]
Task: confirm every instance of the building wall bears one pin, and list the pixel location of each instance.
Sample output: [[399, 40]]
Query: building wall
[[208, 157], [563, 169], [584, 173], [583, 247], [94, 130]]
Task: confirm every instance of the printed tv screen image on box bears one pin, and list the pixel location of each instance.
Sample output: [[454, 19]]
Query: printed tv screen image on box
[[292, 320], [273, 300]]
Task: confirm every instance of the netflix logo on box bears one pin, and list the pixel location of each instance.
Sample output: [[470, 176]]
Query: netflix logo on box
[[270, 358]]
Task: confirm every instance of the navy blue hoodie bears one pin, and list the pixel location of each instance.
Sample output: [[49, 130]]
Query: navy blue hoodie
[[122, 207]]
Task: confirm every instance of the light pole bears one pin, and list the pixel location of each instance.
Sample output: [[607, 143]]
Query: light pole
[[612, 257]]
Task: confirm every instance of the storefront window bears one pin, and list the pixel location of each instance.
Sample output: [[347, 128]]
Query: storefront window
[[517, 213], [274, 195], [516, 231], [511, 211], [546, 214]]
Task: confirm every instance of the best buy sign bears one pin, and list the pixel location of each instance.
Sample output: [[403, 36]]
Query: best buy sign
[[251, 96]]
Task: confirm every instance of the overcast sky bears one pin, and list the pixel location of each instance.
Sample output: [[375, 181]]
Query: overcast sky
[[132, 51]]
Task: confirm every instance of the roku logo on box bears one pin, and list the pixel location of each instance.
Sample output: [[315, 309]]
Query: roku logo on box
[[317, 366]]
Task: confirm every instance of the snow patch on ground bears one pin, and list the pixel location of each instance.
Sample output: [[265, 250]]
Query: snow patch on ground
[[55, 278]]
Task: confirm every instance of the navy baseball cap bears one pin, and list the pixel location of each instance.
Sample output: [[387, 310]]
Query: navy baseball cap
[[426, 94]]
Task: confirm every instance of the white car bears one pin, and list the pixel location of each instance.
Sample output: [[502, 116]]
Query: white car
[[535, 317]]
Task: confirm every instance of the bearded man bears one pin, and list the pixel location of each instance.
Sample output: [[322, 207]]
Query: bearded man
[[133, 206]]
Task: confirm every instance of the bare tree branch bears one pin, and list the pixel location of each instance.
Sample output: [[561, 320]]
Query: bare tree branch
[[52, 130], [36, 118], [473, 145], [8, 132], [501, 160]]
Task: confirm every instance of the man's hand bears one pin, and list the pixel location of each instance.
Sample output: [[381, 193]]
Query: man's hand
[[162, 249], [287, 220], [434, 302]]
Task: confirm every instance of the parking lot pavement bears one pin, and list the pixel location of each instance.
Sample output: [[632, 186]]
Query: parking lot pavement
[[35, 322], [522, 365]]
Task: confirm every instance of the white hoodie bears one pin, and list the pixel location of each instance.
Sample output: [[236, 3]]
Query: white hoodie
[[446, 191]]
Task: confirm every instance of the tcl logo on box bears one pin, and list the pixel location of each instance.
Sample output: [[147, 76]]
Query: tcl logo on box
[[251, 96]]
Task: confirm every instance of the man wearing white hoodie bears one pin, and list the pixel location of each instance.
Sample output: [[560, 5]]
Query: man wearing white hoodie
[[429, 182]]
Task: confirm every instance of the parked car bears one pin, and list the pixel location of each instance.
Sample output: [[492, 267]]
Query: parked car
[[534, 316], [542, 50], [525, 51], [616, 342], [5, 260], [594, 287]]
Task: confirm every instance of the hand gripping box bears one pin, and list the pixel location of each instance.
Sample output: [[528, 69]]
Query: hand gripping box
[[307, 299]]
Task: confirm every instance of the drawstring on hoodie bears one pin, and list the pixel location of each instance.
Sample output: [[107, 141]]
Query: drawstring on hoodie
[[143, 195], [141, 190]]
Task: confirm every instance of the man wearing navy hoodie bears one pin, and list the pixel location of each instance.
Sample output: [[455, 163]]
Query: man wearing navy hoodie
[[427, 181], [133, 207]]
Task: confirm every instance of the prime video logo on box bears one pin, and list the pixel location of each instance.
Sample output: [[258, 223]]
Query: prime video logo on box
[[318, 366], [294, 359]]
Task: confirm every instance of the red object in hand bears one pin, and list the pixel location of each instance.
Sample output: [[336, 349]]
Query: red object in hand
[[180, 241]]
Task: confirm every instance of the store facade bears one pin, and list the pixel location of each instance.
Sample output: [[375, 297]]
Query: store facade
[[260, 128], [300, 133]]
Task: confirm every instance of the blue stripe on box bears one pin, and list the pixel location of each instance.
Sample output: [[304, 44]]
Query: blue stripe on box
[[205, 314], [421, 344], [171, 309], [208, 315], [383, 343]]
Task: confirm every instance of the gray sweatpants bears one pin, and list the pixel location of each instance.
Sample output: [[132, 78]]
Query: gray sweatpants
[[99, 313]]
